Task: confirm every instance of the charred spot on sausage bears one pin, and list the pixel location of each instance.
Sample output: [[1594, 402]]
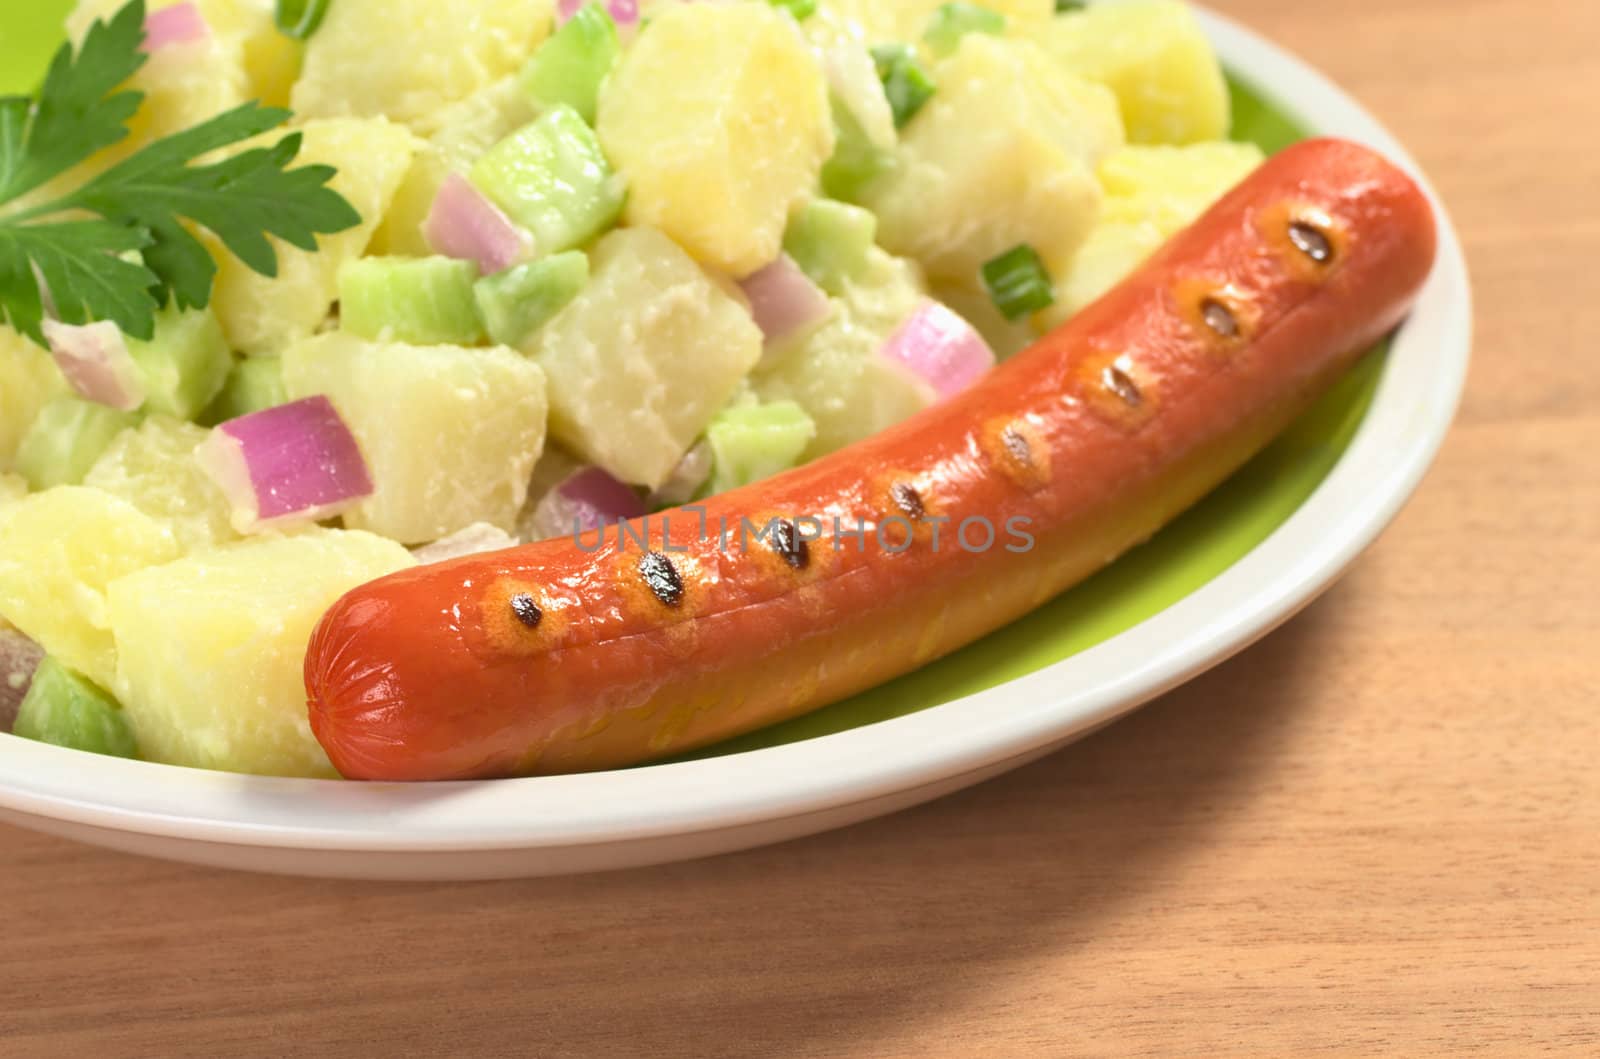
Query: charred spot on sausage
[[1115, 386], [908, 500], [1120, 383], [1311, 241], [526, 610], [1017, 446], [1017, 449], [662, 578], [1219, 318], [790, 545]]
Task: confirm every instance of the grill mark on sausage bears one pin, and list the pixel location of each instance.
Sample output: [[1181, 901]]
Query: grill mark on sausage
[[526, 610], [908, 500], [1311, 241], [1016, 446], [790, 545], [662, 578], [1121, 383], [1219, 318]]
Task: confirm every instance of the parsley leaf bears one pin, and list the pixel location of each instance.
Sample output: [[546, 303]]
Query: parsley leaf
[[80, 265], [78, 111], [241, 199], [78, 243]]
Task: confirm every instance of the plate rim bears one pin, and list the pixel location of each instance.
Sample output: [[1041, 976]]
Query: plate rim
[[1395, 444]]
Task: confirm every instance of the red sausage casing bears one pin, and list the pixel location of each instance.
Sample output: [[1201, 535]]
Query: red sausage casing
[[552, 658]]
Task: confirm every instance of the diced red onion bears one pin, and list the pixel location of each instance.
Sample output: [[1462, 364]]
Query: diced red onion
[[464, 224], [292, 463], [178, 24], [94, 359], [476, 539], [625, 13], [587, 500], [938, 345], [687, 479], [785, 303], [19, 657]]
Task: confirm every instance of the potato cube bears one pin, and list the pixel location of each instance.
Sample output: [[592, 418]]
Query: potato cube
[[1005, 153], [719, 119], [59, 549], [408, 59], [643, 359], [154, 469], [211, 649], [450, 435], [1155, 57]]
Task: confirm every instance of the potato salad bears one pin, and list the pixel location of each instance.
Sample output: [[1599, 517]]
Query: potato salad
[[571, 263]]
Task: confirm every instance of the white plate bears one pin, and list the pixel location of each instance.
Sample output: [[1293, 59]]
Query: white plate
[[670, 812]]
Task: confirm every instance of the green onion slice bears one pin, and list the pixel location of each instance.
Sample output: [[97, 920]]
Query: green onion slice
[[1018, 282], [300, 18], [800, 9], [953, 21], [906, 81]]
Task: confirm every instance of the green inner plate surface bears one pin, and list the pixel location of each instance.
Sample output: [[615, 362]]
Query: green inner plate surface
[[1197, 547]]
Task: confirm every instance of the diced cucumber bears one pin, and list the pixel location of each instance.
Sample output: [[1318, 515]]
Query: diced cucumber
[[857, 161], [66, 439], [553, 179], [953, 21], [422, 301], [185, 365], [571, 66], [830, 242], [750, 442], [255, 384], [65, 709], [517, 302]]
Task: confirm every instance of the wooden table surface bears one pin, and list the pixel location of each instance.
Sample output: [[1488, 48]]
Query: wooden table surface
[[1377, 832]]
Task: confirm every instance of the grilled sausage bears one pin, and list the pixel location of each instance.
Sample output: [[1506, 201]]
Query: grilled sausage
[[572, 655]]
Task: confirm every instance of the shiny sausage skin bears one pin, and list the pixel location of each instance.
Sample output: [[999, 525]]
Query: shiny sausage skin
[[549, 658]]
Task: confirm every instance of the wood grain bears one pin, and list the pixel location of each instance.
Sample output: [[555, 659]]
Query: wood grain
[[1378, 832]]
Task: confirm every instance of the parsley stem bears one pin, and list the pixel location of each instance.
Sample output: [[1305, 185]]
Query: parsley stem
[[44, 209]]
